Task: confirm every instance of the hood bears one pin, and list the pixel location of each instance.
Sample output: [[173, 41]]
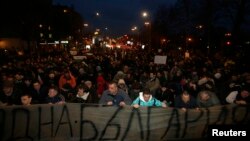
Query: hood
[[141, 97]]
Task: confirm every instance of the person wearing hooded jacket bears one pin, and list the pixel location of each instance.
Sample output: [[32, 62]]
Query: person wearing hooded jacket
[[145, 99]]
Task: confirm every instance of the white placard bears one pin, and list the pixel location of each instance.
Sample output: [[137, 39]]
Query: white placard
[[79, 57], [160, 59]]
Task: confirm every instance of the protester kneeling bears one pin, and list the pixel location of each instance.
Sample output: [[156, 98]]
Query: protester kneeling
[[145, 99]]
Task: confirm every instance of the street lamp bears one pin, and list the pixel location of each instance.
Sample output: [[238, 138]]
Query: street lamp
[[97, 14], [134, 28], [144, 14], [135, 32], [228, 34], [85, 25], [147, 23], [189, 39], [199, 26]]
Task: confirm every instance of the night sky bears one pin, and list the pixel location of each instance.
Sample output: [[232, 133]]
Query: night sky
[[118, 16]]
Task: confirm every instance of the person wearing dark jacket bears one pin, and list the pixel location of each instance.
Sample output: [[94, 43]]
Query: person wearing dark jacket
[[54, 97], [114, 96], [166, 95], [185, 101], [82, 95], [39, 93], [9, 95], [92, 91]]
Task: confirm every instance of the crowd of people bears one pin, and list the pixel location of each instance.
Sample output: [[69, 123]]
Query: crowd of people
[[118, 78]]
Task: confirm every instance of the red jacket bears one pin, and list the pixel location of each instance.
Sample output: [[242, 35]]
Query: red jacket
[[101, 83], [71, 82]]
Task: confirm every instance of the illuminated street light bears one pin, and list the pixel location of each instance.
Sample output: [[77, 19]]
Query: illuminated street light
[[143, 46], [147, 23], [228, 43], [87, 46], [85, 25], [134, 28], [144, 14], [97, 14], [199, 26], [189, 39], [228, 34]]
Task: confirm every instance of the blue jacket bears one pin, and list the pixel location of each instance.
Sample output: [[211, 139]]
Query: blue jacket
[[151, 102]]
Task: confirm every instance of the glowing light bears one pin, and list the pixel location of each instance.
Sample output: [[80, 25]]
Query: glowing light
[[109, 46], [87, 46], [228, 34], [134, 28], [64, 42], [147, 23], [199, 26], [20, 53], [187, 54], [144, 14], [41, 35]]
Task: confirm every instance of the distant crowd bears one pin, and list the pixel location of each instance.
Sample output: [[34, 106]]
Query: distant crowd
[[119, 78]]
